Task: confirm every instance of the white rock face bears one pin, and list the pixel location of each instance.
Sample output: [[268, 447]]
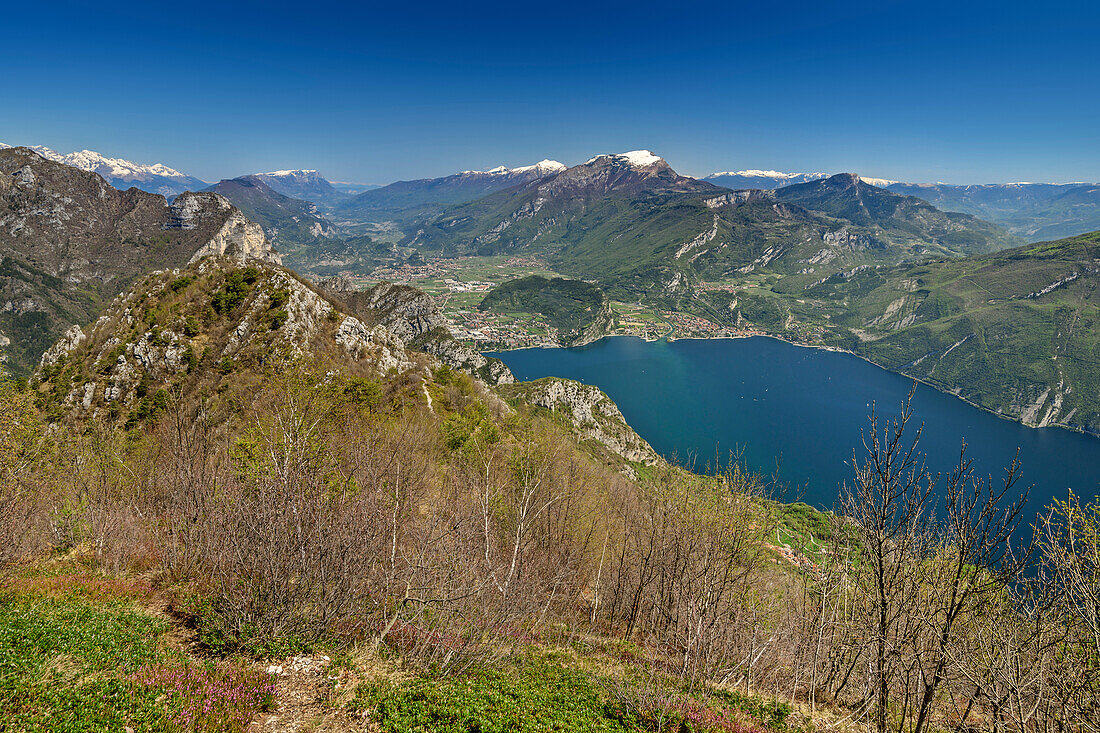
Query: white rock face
[[65, 346], [239, 239], [594, 416], [358, 341]]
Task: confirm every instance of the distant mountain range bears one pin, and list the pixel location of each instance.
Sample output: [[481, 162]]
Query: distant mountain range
[[638, 227], [1035, 211], [408, 200], [307, 239], [774, 179], [122, 174], [308, 185], [760, 179]]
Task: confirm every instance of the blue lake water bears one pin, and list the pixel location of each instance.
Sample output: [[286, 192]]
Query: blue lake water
[[795, 413]]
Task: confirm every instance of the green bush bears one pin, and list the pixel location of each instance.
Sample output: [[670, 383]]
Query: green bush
[[279, 298], [278, 319], [238, 284], [180, 283]]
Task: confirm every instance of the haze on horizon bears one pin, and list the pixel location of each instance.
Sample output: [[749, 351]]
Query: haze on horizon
[[961, 93]]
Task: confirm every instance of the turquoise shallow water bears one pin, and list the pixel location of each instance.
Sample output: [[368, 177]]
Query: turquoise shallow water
[[796, 413]]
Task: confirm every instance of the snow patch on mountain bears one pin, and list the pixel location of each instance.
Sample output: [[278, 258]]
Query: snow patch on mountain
[[880, 182], [90, 160], [545, 167], [122, 173], [633, 158], [777, 175], [778, 179]]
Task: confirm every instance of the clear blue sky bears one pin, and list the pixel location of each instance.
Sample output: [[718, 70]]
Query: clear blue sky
[[965, 91]]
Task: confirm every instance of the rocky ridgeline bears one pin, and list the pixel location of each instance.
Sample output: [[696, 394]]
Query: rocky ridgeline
[[134, 349], [415, 317], [69, 243], [591, 413], [175, 331]]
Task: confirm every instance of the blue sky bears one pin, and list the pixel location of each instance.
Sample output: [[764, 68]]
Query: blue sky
[[967, 91]]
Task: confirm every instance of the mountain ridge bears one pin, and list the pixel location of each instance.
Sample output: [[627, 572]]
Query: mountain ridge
[[69, 242], [410, 200], [643, 228], [122, 173]]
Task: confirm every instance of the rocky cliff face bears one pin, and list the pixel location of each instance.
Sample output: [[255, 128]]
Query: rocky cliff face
[[591, 413], [236, 238], [414, 317], [69, 242]]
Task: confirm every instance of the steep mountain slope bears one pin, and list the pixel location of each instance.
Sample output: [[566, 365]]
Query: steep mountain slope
[[122, 174], [631, 222], [308, 185], [1016, 332], [904, 219], [308, 241], [1035, 211], [69, 242], [405, 201]]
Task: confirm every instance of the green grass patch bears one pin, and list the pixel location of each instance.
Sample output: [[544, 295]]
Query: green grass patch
[[77, 654]]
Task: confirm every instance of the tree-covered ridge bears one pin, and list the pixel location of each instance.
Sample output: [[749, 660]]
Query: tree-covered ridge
[[574, 307]]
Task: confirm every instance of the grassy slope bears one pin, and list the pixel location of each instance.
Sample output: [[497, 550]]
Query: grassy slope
[[83, 651]]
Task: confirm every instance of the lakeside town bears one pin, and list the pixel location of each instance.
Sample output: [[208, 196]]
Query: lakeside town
[[459, 284]]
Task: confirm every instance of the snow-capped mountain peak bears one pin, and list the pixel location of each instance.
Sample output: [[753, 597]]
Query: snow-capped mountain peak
[[633, 158], [544, 167], [90, 160], [296, 173], [122, 173], [777, 175]]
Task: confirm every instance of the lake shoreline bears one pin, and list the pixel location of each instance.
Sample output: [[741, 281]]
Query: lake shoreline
[[833, 349], [690, 399]]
